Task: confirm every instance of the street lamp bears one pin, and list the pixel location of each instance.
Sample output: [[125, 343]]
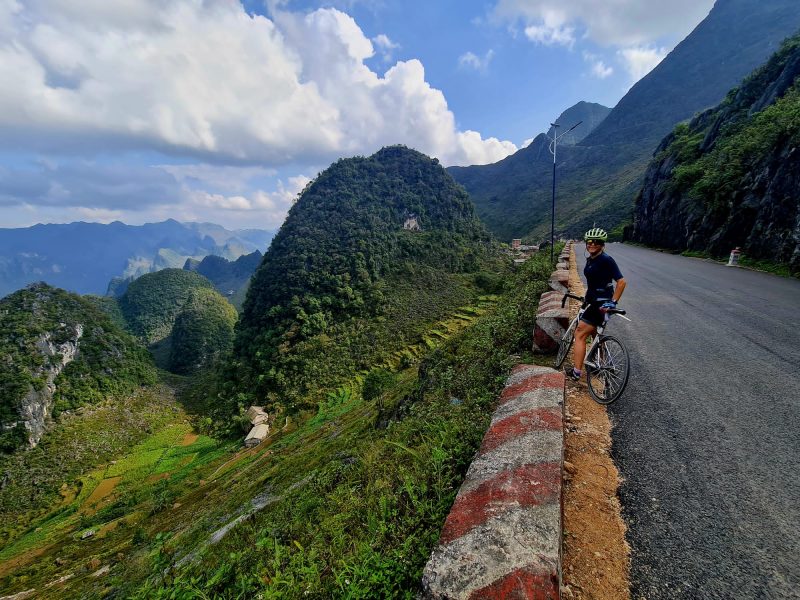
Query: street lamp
[[553, 149]]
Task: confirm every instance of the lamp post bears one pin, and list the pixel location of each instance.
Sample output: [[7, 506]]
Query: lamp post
[[553, 149]]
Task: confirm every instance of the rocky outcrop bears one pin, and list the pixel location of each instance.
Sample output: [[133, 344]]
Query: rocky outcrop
[[58, 352], [757, 210], [36, 407]]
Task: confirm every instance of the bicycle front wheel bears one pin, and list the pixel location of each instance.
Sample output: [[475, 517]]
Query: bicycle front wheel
[[565, 344], [607, 370]]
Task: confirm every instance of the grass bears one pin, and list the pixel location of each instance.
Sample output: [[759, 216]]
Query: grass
[[355, 491], [376, 479]]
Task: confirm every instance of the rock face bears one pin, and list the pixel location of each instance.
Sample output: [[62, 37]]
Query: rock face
[[36, 406], [732, 176], [599, 176], [58, 352]]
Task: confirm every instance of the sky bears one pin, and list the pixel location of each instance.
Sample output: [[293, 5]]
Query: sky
[[224, 110]]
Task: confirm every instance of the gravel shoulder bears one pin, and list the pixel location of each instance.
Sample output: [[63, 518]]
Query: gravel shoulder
[[596, 557]]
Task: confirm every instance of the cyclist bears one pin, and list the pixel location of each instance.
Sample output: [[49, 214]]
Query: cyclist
[[601, 293]]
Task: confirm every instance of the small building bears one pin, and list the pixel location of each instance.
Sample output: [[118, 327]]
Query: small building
[[411, 224], [515, 244], [260, 420], [257, 435], [257, 415]]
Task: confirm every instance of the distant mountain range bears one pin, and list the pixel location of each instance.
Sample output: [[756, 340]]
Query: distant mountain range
[[600, 175], [85, 257]]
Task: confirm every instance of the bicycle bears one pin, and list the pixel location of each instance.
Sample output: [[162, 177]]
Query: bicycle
[[607, 362]]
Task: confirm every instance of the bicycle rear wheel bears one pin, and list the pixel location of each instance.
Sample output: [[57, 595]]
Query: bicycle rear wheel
[[565, 344], [608, 367]]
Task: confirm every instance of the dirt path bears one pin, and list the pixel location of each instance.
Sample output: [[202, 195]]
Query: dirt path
[[596, 557]]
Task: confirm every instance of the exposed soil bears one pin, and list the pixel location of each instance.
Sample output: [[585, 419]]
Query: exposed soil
[[596, 557], [189, 439], [103, 489]]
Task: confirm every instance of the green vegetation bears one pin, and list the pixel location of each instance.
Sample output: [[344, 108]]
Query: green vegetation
[[379, 353], [34, 323], [153, 301], [716, 176], [203, 331], [231, 278], [729, 177], [357, 509], [349, 498], [344, 284]]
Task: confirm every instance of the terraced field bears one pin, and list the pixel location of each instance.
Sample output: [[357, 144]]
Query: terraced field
[[170, 492]]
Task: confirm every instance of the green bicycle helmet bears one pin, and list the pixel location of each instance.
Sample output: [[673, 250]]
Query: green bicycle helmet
[[596, 234]]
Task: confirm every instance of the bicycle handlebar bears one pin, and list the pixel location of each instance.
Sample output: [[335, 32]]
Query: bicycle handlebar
[[581, 299], [568, 295]]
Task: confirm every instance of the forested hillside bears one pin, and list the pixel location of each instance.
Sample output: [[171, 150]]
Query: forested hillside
[[599, 177], [203, 331], [731, 177], [152, 302], [59, 352], [231, 278], [373, 250]]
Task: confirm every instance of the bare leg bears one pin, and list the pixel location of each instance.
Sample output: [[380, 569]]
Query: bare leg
[[583, 331]]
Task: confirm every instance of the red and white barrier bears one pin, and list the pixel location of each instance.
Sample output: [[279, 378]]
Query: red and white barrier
[[502, 538]]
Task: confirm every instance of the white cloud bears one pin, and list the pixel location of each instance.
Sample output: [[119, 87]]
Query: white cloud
[[205, 79], [639, 61], [267, 209], [551, 29], [216, 176], [473, 61], [610, 23], [385, 45], [599, 68]]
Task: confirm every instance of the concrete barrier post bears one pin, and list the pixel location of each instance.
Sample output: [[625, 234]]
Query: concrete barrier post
[[502, 538], [733, 260], [552, 319]]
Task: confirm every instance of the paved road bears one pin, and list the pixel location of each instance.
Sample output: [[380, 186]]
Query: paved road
[[707, 434]]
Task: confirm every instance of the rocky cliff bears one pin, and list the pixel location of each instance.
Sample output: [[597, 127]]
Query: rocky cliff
[[36, 405], [731, 177], [599, 177], [59, 351]]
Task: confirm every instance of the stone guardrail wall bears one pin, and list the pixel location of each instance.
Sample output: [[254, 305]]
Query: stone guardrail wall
[[502, 538], [551, 319]]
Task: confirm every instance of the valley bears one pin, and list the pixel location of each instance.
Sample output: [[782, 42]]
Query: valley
[[150, 505]]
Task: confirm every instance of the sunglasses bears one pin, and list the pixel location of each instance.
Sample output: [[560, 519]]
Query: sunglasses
[[594, 242]]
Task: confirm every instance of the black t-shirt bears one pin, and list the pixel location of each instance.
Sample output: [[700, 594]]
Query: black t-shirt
[[599, 273]]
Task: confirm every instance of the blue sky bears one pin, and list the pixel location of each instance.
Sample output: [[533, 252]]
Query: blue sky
[[222, 111]]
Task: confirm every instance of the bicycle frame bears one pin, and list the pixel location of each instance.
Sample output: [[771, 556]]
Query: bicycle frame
[[600, 328]]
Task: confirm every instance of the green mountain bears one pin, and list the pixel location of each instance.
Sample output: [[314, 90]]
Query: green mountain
[[588, 114], [152, 302], [203, 331], [231, 278], [599, 177], [378, 332], [60, 352], [373, 249], [185, 322], [731, 176], [85, 257]]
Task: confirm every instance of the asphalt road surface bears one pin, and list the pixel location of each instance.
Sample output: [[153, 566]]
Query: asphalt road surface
[[707, 434]]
